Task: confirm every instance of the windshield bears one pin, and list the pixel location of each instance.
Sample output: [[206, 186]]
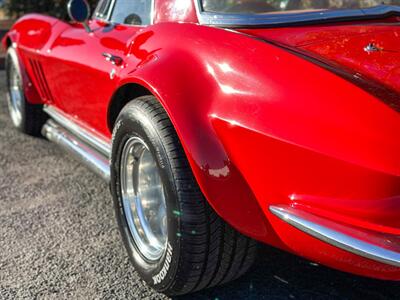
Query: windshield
[[286, 6]]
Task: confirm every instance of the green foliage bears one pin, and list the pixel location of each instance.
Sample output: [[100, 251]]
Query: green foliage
[[56, 8]]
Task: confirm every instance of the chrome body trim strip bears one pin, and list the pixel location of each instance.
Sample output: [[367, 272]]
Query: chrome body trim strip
[[237, 20], [101, 16], [153, 12], [101, 145], [309, 223], [110, 10], [87, 155]]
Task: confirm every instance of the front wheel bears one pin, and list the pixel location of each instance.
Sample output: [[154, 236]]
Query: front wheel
[[26, 117], [175, 240]]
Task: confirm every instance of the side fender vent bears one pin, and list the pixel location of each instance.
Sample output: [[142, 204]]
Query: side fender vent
[[40, 78]]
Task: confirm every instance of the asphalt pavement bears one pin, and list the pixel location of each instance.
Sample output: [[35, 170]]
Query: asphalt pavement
[[59, 239]]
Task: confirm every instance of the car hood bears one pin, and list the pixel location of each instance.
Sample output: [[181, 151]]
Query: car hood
[[370, 50]]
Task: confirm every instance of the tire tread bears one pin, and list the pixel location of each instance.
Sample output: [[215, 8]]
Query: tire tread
[[218, 254]]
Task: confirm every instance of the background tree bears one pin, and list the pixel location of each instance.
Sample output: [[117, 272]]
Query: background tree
[[56, 8]]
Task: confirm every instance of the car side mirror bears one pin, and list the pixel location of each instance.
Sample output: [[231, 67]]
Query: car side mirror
[[79, 11]]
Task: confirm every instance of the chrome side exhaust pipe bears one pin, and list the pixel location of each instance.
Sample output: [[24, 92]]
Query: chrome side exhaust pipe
[[94, 160]]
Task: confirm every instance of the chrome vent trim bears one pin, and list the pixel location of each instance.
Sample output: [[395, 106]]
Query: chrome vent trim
[[43, 87]]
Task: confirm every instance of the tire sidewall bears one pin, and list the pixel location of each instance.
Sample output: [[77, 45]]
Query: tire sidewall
[[135, 122]]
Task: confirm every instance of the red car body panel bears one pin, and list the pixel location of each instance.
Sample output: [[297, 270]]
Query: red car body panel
[[260, 125], [341, 45]]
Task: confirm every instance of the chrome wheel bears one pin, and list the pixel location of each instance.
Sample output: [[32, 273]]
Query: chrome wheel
[[15, 94], [143, 199]]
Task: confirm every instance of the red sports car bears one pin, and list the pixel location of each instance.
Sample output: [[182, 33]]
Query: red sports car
[[222, 123]]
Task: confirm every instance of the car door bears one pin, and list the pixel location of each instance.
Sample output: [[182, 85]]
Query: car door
[[85, 65]]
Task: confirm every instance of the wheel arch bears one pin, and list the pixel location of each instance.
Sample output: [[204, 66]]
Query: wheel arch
[[9, 39], [199, 90], [122, 96], [7, 42], [203, 148]]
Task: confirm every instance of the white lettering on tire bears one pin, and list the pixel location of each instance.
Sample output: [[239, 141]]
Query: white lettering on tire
[[164, 271]]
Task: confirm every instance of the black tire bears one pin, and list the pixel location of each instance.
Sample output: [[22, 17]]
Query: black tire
[[204, 251], [31, 116]]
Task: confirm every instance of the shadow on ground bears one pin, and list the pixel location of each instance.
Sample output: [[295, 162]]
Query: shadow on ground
[[279, 275]]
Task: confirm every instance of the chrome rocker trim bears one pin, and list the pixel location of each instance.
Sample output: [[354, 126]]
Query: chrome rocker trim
[[89, 149], [99, 144], [318, 228]]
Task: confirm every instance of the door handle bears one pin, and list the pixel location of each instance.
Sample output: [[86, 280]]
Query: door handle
[[115, 60]]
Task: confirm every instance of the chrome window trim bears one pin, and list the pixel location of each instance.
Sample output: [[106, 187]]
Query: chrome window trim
[[279, 20], [312, 225], [104, 17], [111, 9], [96, 10], [152, 13]]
